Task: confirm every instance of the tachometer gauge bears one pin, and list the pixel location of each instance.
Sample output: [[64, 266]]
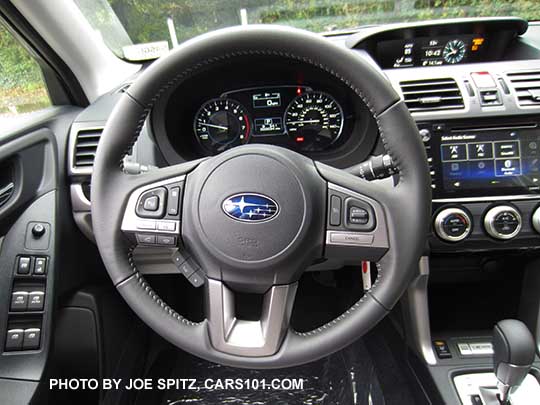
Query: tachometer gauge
[[220, 124], [454, 51], [314, 121]]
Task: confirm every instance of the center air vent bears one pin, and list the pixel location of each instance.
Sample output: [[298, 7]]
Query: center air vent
[[85, 147], [527, 87], [432, 95]]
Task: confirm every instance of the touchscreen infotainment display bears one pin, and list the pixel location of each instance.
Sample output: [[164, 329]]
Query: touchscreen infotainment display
[[488, 160]]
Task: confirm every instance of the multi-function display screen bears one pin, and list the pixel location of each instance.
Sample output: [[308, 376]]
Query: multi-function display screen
[[430, 51], [490, 160]]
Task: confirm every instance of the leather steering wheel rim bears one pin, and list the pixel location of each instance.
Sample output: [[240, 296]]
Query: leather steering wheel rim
[[406, 206]]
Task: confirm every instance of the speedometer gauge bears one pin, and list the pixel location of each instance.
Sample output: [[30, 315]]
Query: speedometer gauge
[[314, 121], [221, 124]]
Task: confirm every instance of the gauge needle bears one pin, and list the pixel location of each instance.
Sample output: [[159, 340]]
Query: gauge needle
[[215, 126], [305, 122]]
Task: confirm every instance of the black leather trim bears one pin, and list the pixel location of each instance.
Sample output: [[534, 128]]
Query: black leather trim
[[513, 343]]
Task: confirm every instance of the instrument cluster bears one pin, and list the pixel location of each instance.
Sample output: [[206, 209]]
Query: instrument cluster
[[293, 116]]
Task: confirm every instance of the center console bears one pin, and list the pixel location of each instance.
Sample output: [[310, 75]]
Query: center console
[[485, 182], [485, 179]]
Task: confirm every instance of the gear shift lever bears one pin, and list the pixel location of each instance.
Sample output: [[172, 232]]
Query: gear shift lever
[[513, 347]]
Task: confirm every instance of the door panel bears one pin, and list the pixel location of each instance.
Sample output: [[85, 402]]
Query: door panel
[[32, 159]]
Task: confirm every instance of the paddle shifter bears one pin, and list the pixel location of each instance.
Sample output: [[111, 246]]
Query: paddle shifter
[[514, 348]]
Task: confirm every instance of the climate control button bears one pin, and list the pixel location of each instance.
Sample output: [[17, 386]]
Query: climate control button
[[452, 224], [503, 222]]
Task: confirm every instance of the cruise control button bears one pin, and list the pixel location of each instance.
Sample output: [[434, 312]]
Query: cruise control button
[[358, 215], [146, 239], [40, 266], [166, 226], [19, 301], [350, 238], [14, 340], [23, 265], [36, 300], [31, 339]]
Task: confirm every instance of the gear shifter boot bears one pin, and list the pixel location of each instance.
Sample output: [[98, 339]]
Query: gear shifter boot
[[514, 350]]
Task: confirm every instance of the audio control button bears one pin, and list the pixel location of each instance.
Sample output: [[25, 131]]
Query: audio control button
[[452, 224], [503, 222]]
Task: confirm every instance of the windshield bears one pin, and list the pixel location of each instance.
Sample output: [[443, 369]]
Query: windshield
[[146, 29]]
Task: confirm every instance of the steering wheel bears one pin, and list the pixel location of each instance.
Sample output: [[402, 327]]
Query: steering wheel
[[302, 218]]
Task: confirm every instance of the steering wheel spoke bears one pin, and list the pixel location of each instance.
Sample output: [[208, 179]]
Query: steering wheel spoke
[[251, 338], [152, 217]]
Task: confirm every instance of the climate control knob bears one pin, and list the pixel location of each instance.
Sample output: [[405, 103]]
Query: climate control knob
[[452, 224], [502, 222], [536, 220]]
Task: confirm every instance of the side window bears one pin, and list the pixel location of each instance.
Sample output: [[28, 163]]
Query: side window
[[22, 88]]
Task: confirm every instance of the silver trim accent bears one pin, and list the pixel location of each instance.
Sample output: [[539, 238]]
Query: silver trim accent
[[490, 218], [131, 220], [488, 198], [79, 202], [348, 238], [440, 218], [473, 384], [379, 235], [231, 335], [417, 314]]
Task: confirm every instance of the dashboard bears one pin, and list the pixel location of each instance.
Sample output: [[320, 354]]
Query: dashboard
[[296, 106], [471, 85]]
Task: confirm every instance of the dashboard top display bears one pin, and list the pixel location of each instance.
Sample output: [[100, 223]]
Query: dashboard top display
[[431, 51]]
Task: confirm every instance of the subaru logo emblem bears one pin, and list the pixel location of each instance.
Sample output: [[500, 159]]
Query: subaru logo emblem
[[250, 207]]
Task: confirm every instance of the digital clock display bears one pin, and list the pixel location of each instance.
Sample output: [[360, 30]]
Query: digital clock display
[[435, 51]]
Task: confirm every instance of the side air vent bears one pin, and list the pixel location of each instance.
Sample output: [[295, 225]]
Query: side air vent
[[6, 191], [7, 186], [432, 95], [86, 143], [526, 84]]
